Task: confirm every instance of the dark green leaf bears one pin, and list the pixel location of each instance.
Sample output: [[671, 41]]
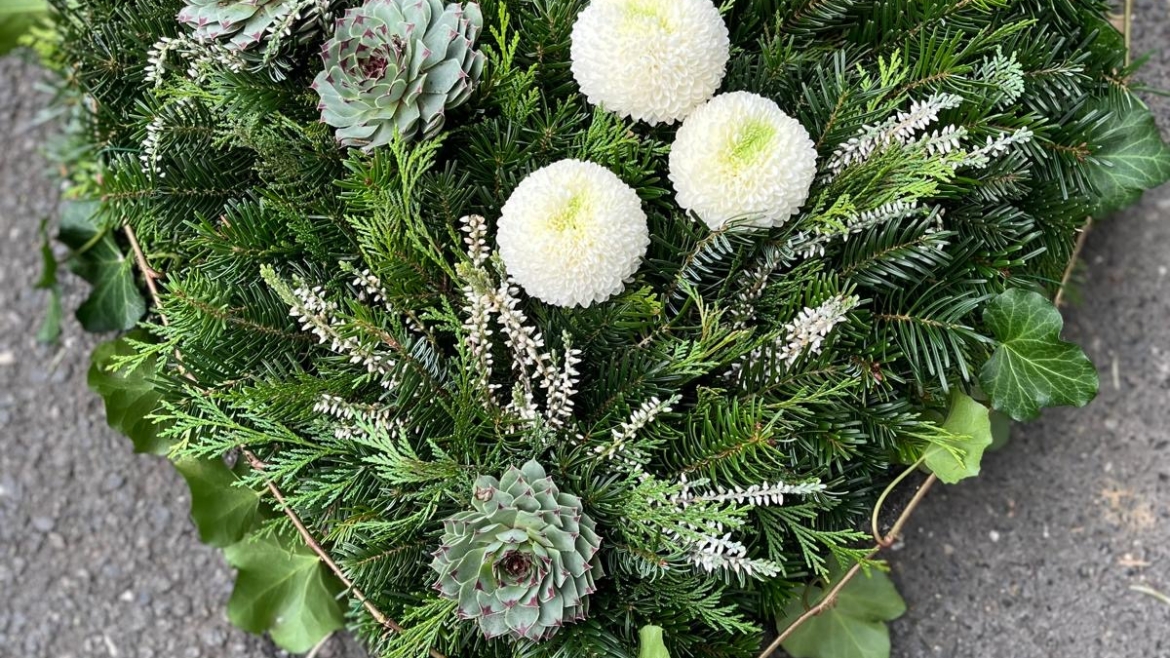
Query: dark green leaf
[[223, 511], [1032, 368], [115, 304], [48, 260], [969, 422], [283, 589], [852, 628], [129, 396], [50, 329], [1131, 156], [1001, 430]]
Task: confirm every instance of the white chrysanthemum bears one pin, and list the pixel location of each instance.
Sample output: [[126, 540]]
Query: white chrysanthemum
[[741, 157], [572, 233], [652, 60]]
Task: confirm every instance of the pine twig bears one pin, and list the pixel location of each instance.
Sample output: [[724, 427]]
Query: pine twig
[[389, 624], [830, 598]]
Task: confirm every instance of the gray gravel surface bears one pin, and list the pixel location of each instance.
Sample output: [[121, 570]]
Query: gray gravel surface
[[1037, 557], [97, 555]]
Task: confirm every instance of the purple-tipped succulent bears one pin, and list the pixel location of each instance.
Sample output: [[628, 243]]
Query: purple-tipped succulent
[[397, 66], [523, 561], [243, 24]]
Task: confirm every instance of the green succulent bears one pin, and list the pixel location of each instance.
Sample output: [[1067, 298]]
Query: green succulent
[[246, 23], [523, 561], [398, 66]]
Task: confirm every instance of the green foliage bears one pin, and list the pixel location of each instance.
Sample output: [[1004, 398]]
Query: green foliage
[[283, 588], [650, 644], [1133, 155], [321, 303], [969, 424], [16, 18], [223, 511], [1033, 368], [131, 395], [51, 324], [854, 626], [115, 304]]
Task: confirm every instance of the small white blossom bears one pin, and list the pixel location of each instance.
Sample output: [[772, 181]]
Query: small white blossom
[[756, 495], [902, 128], [572, 233], [651, 60], [618, 449], [741, 157], [806, 333]]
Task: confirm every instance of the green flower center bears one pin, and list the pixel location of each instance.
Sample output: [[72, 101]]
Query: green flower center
[[641, 15], [750, 144], [572, 216]]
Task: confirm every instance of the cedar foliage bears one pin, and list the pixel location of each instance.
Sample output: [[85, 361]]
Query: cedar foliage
[[242, 198]]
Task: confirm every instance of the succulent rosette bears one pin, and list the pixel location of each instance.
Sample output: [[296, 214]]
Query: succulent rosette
[[523, 561], [397, 66], [246, 23]]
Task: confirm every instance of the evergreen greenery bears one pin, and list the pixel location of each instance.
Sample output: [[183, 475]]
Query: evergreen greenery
[[324, 308]]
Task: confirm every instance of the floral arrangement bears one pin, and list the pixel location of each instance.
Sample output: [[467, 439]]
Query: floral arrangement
[[582, 327]]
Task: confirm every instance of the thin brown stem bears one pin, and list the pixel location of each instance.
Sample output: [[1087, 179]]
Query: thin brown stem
[[389, 624], [1072, 263], [830, 597], [147, 273]]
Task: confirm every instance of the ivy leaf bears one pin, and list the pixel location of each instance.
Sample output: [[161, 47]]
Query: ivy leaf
[[1130, 157], [970, 423], [50, 329], [1032, 368], [1001, 431], [115, 304], [283, 589], [224, 512], [651, 644], [130, 396], [852, 628]]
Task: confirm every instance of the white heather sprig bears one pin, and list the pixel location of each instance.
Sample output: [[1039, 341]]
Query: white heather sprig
[[902, 128], [317, 315], [721, 553], [809, 244], [479, 305], [201, 57], [562, 386], [618, 449], [152, 144], [379, 417], [995, 147], [806, 333], [756, 495], [526, 344], [475, 229]]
